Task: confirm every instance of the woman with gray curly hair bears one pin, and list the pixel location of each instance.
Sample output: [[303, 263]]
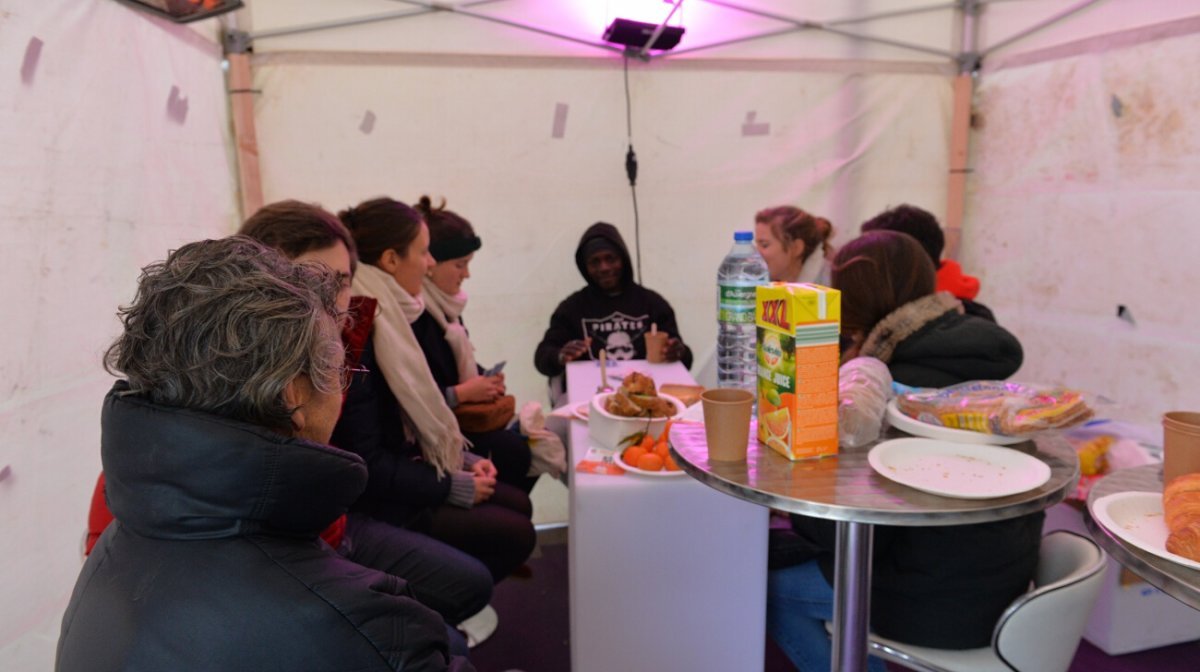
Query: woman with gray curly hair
[[220, 476]]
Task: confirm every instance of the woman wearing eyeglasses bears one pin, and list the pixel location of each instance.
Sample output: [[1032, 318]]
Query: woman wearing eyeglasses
[[452, 582], [220, 473], [443, 578]]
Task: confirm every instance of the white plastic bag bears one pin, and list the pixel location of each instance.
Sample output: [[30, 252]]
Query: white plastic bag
[[864, 386], [549, 453]]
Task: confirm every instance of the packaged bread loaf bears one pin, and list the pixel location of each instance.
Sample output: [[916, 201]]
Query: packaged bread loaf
[[1181, 512], [996, 407]]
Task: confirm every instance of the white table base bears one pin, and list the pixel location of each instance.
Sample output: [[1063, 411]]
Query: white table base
[[665, 573]]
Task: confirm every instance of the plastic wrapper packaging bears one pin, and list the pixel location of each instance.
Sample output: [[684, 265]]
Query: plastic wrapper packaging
[[997, 407], [549, 455], [1105, 446], [864, 387]]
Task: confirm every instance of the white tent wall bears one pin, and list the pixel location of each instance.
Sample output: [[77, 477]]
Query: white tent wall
[[480, 134], [115, 149], [1084, 199]]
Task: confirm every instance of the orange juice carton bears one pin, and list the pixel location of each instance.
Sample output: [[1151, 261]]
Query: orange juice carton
[[797, 328]]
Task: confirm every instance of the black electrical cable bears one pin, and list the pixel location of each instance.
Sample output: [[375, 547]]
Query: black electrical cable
[[631, 170]]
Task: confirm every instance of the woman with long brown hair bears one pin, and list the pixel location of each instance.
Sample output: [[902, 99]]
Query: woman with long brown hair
[[943, 587], [794, 243]]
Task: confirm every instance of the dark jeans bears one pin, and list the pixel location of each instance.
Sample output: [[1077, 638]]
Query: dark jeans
[[447, 580], [498, 532]]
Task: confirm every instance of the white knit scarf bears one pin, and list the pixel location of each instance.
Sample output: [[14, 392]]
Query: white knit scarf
[[403, 364], [447, 311]]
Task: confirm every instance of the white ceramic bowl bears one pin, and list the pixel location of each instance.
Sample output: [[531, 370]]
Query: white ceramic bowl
[[606, 430]]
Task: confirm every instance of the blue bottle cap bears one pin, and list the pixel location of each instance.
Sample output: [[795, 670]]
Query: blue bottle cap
[[743, 236]]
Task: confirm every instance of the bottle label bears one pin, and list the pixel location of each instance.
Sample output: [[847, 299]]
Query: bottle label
[[735, 303]]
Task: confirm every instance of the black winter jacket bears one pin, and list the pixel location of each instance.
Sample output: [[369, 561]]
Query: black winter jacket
[[403, 489], [213, 561], [943, 587]]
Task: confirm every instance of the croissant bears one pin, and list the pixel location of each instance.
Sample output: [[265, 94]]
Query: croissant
[[1186, 542], [1181, 512]]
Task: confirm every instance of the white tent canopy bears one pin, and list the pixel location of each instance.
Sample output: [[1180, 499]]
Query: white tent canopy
[[118, 146]]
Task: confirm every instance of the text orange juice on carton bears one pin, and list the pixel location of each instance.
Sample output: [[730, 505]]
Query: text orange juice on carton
[[797, 326]]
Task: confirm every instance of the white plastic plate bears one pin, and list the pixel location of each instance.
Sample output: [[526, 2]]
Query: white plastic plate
[[965, 471], [581, 410], [1137, 518], [642, 472]]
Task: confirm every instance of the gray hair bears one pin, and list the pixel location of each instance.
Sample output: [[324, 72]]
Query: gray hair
[[222, 326]]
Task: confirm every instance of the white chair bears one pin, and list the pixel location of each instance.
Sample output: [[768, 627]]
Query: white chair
[[1039, 632]]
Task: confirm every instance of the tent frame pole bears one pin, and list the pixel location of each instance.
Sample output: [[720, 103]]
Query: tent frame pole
[[356, 21], [828, 26], [458, 9], [433, 6], [240, 84], [969, 60], [960, 126], [644, 53], [1075, 9]]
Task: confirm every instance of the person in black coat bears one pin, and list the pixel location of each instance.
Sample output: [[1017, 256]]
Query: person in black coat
[[422, 478], [220, 476], [612, 313], [942, 587], [448, 349], [923, 226]]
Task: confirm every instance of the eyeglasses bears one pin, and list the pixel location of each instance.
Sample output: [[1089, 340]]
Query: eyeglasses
[[348, 374]]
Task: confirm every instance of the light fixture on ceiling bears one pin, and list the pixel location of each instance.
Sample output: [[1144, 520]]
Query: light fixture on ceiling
[[636, 34], [184, 11]]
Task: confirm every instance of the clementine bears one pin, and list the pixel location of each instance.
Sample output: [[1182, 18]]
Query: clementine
[[650, 462], [632, 454]]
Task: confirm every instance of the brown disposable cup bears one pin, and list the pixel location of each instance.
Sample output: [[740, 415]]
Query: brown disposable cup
[[727, 423], [1181, 444], [655, 342]]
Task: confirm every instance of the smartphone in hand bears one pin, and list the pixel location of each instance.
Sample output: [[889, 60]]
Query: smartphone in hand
[[495, 370]]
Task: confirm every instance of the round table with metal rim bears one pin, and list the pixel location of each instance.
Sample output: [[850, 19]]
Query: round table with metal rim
[[846, 489], [1176, 580]]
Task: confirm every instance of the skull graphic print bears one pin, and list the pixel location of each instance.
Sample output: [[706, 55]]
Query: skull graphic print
[[620, 335]]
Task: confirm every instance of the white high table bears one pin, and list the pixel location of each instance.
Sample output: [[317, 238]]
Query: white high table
[[665, 573]]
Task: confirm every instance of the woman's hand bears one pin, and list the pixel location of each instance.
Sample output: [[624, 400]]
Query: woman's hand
[[485, 468], [480, 389], [485, 486]]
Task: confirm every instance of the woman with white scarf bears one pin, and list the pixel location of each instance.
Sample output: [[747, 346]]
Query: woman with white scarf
[[447, 347], [421, 475]]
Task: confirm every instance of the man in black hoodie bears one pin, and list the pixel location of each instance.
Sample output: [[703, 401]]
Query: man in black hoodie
[[612, 313]]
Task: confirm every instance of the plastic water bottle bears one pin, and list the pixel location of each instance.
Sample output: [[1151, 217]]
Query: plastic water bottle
[[741, 271]]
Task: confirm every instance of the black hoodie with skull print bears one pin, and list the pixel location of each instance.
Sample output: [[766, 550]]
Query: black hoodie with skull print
[[615, 322]]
